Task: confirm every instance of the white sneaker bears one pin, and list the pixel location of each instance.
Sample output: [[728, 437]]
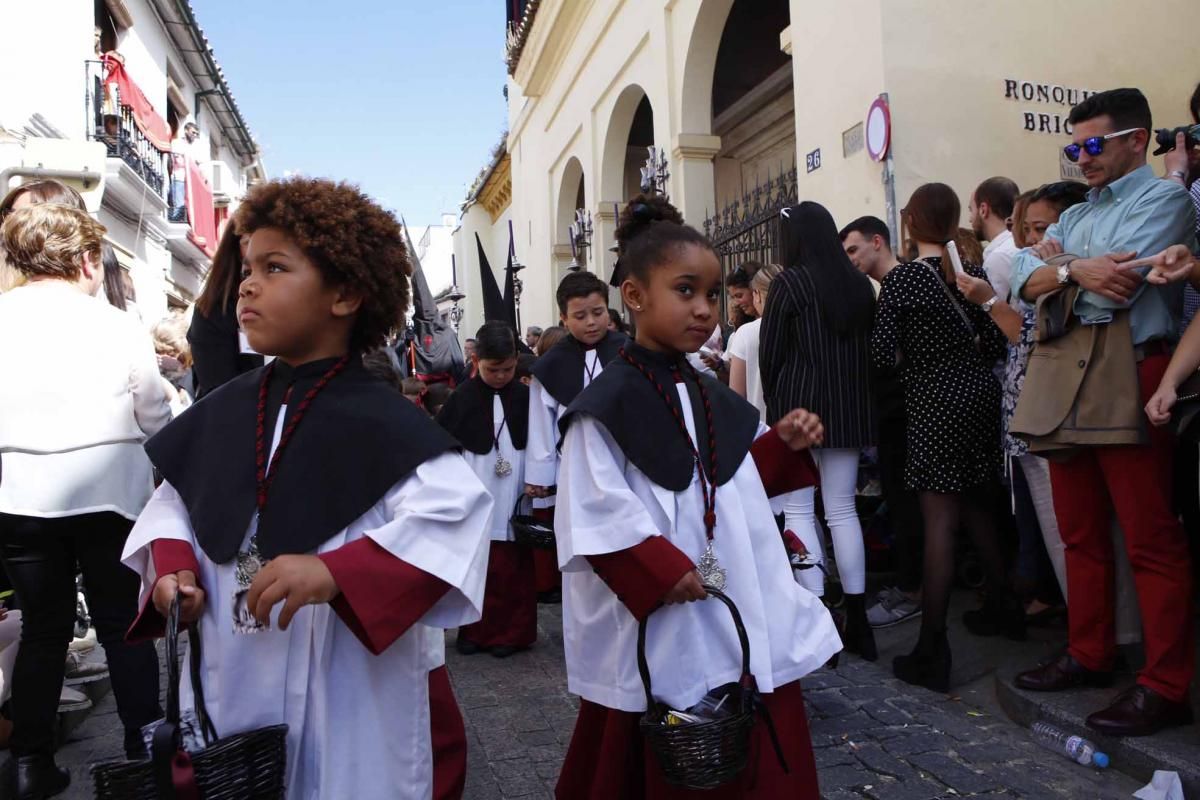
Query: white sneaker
[[894, 607], [84, 643], [83, 667]]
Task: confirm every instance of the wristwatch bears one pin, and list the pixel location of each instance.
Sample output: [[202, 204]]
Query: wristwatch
[[1064, 274], [987, 307], [1178, 174]]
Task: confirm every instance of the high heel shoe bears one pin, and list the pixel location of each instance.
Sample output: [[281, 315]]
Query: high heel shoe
[[38, 777], [857, 636], [1002, 615], [927, 665]]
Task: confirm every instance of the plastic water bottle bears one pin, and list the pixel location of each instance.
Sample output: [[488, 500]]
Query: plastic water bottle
[[1076, 748]]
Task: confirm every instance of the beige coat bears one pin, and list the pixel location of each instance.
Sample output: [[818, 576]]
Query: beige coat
[[1081, 388]]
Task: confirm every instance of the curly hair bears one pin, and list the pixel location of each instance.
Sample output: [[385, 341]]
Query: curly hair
[[349, 237]]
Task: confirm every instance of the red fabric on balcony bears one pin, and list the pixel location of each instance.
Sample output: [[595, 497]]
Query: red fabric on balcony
[[201, 213], [151, 125]]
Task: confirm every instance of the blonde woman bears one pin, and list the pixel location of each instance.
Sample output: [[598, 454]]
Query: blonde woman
[[75, 475]]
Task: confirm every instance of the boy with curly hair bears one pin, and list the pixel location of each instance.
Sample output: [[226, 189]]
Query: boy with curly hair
[[318, 527]]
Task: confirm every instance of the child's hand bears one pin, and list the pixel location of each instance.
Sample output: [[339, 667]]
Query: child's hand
[[300, 580], [1160, 405], [537, 491], [688, 588], [191, 596], [800, 429]]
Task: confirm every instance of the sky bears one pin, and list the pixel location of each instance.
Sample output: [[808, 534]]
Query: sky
[[403, 97]]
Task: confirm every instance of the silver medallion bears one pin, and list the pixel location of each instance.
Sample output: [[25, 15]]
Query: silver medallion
[[248, 565], [711, 572], [503, 467]]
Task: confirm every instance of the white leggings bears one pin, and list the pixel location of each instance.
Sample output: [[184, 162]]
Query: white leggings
[[839, 480]]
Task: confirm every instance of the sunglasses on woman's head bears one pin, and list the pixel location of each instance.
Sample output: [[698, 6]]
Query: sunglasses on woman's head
[[1095, 144]]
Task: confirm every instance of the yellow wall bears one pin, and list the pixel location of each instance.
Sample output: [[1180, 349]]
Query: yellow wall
[[944, 64]]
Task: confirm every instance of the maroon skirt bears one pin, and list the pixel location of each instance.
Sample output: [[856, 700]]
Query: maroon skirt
[[448, 737], [509, 601], [608, 758]]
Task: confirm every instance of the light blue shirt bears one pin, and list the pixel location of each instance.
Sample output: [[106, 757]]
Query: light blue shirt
[[1136, 213]]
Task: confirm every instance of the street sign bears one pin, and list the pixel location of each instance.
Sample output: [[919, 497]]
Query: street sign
[[812, 161], [879, 130]]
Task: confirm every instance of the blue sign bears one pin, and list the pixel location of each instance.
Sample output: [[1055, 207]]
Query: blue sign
[[812, 161]]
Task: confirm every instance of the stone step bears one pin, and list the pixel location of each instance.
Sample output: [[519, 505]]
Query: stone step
[[1177, 750]]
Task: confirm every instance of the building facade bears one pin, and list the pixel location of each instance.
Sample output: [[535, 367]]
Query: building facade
[[758, 103], [100, 94]]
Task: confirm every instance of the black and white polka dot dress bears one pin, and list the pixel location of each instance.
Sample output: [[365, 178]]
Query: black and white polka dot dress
[[950, 393]]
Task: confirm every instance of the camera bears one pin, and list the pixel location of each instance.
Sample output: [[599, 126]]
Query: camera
[[1165, 138]]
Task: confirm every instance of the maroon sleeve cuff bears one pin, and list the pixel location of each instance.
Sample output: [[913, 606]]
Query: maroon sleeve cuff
[[781, 468], [640, 576], [170, 556], [793, 544], [381, 596]]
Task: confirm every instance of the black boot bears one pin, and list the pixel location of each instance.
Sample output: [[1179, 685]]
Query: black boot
[[38, 777], [1001, 614], [857, 636], [928, 664]]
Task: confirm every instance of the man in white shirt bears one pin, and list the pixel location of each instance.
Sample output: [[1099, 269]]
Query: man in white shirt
[[991, 210]]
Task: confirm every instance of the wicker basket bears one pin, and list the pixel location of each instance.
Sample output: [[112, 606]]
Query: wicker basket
[[530, 531], [702, 755], [246, 766]]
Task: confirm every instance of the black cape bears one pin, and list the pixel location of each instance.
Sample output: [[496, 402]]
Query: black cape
[[634, 413], [467, 414], [560, 370], [358, 439]]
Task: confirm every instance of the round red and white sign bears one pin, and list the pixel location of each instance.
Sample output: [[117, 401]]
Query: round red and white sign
[[879, 130]]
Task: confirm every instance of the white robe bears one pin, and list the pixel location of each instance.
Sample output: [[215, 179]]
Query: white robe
[[606, 504], [358, 723], [541, 449], [505, 490]]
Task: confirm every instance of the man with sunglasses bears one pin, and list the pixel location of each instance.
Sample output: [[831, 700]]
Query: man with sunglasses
[[1130, 212]]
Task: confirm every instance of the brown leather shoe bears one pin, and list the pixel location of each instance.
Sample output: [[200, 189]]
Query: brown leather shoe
[[1140, 711], [1063, 672]]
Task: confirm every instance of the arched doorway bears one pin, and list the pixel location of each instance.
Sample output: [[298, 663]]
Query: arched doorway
[[571, 196], [630, 132]]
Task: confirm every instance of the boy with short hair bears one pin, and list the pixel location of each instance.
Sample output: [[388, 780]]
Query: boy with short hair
[[558, 377], [311, 484]]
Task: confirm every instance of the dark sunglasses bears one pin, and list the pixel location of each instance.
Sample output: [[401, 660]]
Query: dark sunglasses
[[1095, 144]]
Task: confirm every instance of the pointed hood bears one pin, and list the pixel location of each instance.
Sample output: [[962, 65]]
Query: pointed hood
[[494, 307], [434, 354]]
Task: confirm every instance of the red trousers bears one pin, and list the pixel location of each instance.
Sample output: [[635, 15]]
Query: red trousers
[[1135, 482], [609, 759], [448, 737], [545, 562], [509, 600]]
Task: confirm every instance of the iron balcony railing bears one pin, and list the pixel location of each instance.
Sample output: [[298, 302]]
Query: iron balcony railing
[[111, 122]]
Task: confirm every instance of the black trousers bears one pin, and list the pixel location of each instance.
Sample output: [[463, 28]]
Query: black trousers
[[904, 509], [40, 556]]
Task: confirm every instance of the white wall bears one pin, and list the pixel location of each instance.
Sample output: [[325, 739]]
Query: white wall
[[43, 72]]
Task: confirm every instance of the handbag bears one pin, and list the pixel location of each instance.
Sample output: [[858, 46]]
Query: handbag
[[957, 306], [531, 531], [245, 766], [1185, 414]]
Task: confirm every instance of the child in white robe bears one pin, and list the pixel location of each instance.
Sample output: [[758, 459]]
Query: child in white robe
[[319, 529], [559, 375], [643, 445], [489, 416]]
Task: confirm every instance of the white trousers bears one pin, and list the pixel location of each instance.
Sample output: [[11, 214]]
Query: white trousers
[[839, 482]]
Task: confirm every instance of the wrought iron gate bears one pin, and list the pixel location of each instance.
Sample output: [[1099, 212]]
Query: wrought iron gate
[[748, 229]]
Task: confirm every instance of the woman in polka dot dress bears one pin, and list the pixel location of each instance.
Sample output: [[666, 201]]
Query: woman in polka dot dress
[[945, 348]]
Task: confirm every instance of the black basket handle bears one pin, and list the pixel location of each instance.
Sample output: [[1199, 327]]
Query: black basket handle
[[644, 667], [517, 505], [207, 729]]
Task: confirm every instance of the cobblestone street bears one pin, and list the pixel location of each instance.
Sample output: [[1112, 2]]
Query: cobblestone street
[[874, 737]]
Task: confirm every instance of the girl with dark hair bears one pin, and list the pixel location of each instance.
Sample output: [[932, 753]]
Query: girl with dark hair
[[815, 354], [944, 348], [114, 286], [489, 415], [220, 351], [661, 493]]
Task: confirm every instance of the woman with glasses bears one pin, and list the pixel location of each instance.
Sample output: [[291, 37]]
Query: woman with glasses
[[75, 475], [944, 348], [815, 354]]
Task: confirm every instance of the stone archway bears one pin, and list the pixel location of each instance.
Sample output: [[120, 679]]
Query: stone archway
[[630, 125], [570, 197]]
